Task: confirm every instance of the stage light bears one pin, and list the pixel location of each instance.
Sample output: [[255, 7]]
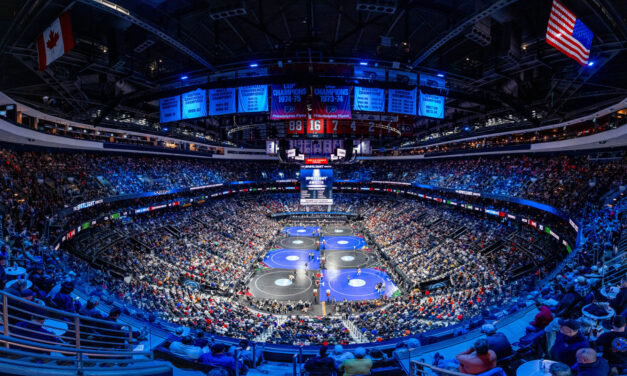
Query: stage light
[[165, 129], [590, 63], [254, 65], [441, 75], [364, 63], [184, 77]]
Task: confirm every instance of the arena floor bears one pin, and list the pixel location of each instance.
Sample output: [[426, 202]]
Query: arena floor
[[335, 255]]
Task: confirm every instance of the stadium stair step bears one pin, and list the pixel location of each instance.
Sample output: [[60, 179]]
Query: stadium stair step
[[263, 337], [355, 334]]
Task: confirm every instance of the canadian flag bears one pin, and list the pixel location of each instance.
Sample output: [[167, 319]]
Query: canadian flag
[[56, 40]]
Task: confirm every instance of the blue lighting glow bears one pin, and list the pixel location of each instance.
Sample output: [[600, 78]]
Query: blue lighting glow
[[590, 63], [364, 63], [184, 77], [441, 75], [254, 65]]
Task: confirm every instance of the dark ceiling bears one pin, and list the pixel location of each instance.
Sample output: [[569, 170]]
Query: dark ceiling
[[493, 53]]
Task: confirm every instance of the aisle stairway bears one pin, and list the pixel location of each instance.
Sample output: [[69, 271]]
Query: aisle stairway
[[263, 337]]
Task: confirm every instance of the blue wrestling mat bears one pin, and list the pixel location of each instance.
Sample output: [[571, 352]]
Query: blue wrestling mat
[[302, 231], [342, 242], [360, 287], [292, 259]]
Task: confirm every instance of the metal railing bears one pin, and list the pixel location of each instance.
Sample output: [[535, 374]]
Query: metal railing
[[418, 368], [57, 338]]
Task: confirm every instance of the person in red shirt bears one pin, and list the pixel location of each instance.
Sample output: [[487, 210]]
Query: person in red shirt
[[542, 319], [477, 359]]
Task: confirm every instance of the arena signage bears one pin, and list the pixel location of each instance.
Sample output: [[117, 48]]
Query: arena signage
[[88, 204], [222, 101], [288, 101], [205, 186], [194, 104], [315, 161], [390, 182], [331, 102], [573, 225], [170, 109], [369, 99], [402, 101], [467, 193], [252, 98]]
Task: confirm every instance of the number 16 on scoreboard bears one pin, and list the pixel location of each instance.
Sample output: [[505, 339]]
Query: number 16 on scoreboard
[[315, 126]]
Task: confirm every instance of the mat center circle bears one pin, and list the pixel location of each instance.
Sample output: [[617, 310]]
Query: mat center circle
[[284, 282], [342, 242], [301, 230], [298, 242], [347, 258], [292, 258], [356, 282]]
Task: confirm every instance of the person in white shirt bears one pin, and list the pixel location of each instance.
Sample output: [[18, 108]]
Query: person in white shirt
[[186, 348]]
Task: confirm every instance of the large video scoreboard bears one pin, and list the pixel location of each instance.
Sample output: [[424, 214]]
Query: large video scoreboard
[[316, 185]]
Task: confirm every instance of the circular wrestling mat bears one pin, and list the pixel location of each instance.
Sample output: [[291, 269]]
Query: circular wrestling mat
[[349, 259], [301, 230], [357, 287], [343, 242], [292, 259], [338, 230], [297, 242], [277, 285]]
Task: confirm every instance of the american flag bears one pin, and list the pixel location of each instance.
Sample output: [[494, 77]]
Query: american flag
[[568, 34]]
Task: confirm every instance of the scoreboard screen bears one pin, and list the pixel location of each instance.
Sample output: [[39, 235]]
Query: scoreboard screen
[[316, 185]]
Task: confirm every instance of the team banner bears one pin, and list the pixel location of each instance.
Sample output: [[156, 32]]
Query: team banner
[[432, 81], [194, 104], [369, 99], [316, 147], [402, 101], [327, 147], [402, 77], [170, 109], [288, 102], [369, 73], [332, 102], [431, 105], [222, 101], [252, 98]]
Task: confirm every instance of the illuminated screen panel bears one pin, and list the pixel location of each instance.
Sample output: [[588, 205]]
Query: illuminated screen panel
[[316, 185]]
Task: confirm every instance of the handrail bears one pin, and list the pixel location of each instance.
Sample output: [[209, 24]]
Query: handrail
[[295, 363], [417, 366], [78, 335], [55, 310], [62, 349]]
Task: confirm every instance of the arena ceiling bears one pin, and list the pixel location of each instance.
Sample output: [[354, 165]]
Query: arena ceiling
[[492, 53]]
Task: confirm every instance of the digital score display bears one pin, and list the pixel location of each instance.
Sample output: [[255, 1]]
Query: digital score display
[[316, 185]]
